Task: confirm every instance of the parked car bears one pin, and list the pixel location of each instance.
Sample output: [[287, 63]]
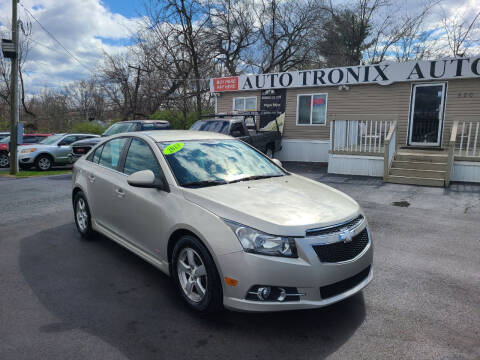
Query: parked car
[[4, 134], [268, 142], [82, 147], [229, 224], [27, 139], [53, 150]]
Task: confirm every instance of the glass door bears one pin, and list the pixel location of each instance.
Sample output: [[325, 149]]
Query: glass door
[[426, 114]]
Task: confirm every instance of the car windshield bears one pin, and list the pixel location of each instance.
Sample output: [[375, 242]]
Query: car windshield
[[118, 128], [218, 126], [199, 163], [51, 139], [5, 140]]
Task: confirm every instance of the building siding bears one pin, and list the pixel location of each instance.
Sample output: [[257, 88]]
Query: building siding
[[371, 102]]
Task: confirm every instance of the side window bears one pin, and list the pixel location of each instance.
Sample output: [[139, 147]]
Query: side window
[[96, 154], [161, 126], [68, 140], [29, 140], [111, 153], [237, 130], [140, 157]]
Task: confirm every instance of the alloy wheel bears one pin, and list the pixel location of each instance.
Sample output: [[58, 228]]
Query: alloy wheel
[[44, 163], [4, 161], [192, 274], [82, 215]]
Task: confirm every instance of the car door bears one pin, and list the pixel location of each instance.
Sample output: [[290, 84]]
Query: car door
[[143, 214], [104, 180], [63, 148]]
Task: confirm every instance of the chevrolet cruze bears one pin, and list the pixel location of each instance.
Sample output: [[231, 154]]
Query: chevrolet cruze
[[228, 224]]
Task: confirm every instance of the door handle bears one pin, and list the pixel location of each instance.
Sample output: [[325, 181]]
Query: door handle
[[120, 192], [91, 178]]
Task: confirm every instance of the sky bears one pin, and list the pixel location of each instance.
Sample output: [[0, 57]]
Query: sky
[[88, 28]]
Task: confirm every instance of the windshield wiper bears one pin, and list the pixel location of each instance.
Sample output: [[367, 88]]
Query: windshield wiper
[[254, 177], [204, 183]]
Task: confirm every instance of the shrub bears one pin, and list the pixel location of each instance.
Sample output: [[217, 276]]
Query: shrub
[[176, 118], [88, 128]]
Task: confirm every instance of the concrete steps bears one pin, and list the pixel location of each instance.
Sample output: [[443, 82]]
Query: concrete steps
[[419, 167], [418, 173], [416, 181], [403, 164]]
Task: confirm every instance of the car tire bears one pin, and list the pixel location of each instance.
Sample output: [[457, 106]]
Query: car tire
[[43, 163], [200, 289], [82, 216], [4, 160]]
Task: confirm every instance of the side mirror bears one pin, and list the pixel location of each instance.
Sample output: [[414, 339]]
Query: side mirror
[[145, 179], [277, 162], [60, 144]]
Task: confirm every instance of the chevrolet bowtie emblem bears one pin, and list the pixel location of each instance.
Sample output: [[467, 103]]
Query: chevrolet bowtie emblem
[[346, 236]]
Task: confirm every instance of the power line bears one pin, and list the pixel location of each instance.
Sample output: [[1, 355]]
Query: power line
[[45, 46], [54, 38]]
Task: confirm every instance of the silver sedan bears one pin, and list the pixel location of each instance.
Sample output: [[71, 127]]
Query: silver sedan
[[228, 224]]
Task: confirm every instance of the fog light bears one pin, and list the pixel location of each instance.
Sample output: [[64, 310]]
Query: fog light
[[263, 293], [273, 293]]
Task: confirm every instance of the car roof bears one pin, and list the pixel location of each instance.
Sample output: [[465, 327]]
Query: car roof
[[177, 135], [37, 134], [145, 121], [222, 119]]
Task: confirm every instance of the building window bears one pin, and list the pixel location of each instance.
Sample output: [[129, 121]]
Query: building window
[[312, 109], [245, 103]]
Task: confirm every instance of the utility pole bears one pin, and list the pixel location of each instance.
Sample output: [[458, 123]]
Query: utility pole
[[14, 109]]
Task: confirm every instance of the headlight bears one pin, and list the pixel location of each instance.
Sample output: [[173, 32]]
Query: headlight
[[258, 242], [28, 151]]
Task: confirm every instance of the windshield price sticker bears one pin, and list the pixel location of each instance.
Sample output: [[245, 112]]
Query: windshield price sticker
[[173, 148]]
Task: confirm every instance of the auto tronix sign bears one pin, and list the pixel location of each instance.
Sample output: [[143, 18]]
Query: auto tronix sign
[[383, 74]]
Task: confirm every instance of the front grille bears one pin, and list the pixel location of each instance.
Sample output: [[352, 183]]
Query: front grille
[[336, 228], [342, 251], [344, 285], [81, 150]]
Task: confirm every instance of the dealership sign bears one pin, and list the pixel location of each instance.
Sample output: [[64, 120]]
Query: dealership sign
[[383, 74]]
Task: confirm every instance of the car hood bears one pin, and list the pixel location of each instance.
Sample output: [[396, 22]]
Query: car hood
[[88, 142], [287, 205], [39, 147]]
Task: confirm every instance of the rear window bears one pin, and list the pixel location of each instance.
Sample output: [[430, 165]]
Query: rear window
[[120, 127], [155, 126], [218, 126]]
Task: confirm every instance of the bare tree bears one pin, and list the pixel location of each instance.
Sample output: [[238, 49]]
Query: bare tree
[[462, 30], [398, 30], [86, 97], [187, 20], [284, 30], [231, 31]]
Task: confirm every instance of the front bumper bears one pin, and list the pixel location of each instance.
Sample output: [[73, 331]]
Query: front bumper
[[28, 158], [74, 157], [306, 273]]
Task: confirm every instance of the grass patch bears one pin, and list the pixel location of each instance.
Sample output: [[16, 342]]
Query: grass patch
[[31, 173]]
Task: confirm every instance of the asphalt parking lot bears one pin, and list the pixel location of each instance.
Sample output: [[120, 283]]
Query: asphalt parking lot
[[63, 298]]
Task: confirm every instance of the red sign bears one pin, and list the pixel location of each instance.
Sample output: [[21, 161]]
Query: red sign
[[225, 84]]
